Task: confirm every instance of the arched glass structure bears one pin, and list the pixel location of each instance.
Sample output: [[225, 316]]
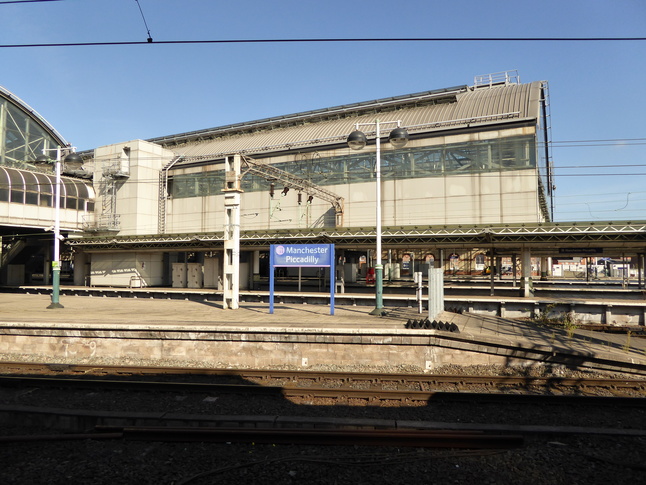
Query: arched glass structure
[[23, 132], [32, 188]]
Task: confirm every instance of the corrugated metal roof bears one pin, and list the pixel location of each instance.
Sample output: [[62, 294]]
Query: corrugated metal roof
[[457, 109]]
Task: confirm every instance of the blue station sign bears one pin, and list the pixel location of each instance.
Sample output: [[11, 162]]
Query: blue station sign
[[302, 255]]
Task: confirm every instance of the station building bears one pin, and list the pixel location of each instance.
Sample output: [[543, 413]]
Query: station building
[[476, 155], [153, 211], [27, 193]]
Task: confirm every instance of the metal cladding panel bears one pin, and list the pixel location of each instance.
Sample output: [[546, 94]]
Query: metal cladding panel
[[507, 103]]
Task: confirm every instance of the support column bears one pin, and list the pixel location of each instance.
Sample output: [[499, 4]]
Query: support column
[[256, 270], [526, 283], [47, 269], [231, 266], [492, 272], [80, 260], [514, 267], [639, 270], [544, 270], [435, 292], [339, 275]]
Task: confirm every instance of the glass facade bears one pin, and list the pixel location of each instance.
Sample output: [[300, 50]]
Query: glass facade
[[495, 155], [22, 138]]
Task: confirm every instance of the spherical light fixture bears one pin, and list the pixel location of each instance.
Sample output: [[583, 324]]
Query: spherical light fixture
[[357, 140], [42, 159], [73, 158], [398, 137]]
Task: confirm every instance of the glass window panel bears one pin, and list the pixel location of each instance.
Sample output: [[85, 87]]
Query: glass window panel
[[70, 188], [434, 161], [24, 137], [44, 183], [16, 179], [31, 198], [179, 188], [203, 186], [18, 196], [16, 119], [83, 190], [31, 182]]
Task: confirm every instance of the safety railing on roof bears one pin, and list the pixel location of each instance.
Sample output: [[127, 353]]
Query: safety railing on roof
[[504, 77]]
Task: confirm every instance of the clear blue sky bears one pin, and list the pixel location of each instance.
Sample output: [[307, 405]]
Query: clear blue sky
[[106, 94]]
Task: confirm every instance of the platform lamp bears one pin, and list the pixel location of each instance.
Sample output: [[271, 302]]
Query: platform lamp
[[71, 157], [356, 141]]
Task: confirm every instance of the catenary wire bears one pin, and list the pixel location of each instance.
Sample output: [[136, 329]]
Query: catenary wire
[[27, 1], [335, 40], [149, 39]]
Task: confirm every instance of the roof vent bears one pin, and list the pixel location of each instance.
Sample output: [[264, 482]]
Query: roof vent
[[496, 79]]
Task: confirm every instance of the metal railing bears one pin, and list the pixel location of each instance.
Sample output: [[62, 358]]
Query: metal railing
[[504, 77]]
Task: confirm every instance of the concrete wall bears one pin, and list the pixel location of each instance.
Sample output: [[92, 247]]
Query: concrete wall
[[240, 348], [126, 269], [135, 167], [36, 216]]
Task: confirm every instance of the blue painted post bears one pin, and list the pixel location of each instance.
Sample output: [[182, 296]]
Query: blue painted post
[[271, 278], [332, 277]]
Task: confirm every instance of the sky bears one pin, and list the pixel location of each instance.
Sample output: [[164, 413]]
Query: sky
[[99, 95]]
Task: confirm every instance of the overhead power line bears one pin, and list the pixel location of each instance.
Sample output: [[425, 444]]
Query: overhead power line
[[149, 39], [27, 1], [339, 40]]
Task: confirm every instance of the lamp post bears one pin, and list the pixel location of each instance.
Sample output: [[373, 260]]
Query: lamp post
[[356, 141], [56, 264]]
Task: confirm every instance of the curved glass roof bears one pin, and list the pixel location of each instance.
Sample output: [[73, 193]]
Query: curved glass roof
[[33, 188], [23, 132]]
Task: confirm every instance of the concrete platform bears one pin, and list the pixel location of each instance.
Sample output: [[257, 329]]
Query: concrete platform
[[592, 307], [149, 331]]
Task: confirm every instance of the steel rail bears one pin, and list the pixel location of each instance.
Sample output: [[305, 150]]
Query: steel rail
[[342, 395], [463, 439], [414, 438], [346, 378]]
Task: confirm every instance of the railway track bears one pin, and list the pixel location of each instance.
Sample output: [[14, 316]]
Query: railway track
[[366, 437], [404, 389], [293, 389], [318, 377]]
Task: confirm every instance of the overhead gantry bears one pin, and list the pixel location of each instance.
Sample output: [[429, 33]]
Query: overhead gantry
[[234, 165], [256, 167], [269, 172]]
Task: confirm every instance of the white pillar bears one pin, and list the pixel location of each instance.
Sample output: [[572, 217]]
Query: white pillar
[[231, 266], [526, 284]]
